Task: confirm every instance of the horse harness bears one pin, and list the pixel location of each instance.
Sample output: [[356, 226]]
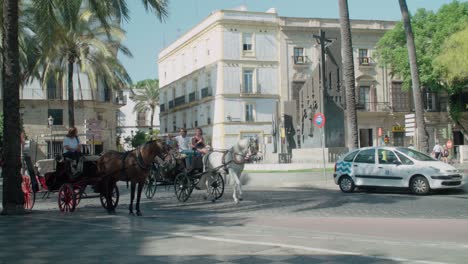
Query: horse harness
[[139, 161]]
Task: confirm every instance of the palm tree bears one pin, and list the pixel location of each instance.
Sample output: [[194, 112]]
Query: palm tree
[[81, 42], [147, 98], [422, 135], [12, 199], [348, 74]]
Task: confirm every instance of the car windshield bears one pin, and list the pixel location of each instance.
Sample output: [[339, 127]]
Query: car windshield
[[415, 154]]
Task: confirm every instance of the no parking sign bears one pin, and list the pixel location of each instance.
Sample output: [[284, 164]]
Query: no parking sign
[[319, 120]]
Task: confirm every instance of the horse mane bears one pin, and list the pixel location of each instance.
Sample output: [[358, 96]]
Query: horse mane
[[241, 145]]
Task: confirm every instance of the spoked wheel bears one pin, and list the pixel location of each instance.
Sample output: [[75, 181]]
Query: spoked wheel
[[66, 198], [29, 194], [79, 194], [151, 184], [217, 186], [182, 187], [114, 198]]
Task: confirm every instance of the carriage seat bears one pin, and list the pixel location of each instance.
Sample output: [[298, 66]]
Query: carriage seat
[[45, 166]]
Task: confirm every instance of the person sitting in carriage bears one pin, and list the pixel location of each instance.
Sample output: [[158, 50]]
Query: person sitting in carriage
[[198, 142], [72, 149]]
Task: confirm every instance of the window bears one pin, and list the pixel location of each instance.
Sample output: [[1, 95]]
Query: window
[[404, 160], [386, 156], [364, 98], [249, 113], [350, 156], [363, 57], [57, 115], [247, 42], [248, 81], [208, 115], [165, 125], [299, 56], [141, 118], [366, 156], [53, 91], [430, 101], [415, 154]]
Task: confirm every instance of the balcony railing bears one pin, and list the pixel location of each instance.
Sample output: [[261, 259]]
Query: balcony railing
[[179, 101], [250, 91], [205, 92], [366, 61], [373, 106], [300, 60], [171, 104]]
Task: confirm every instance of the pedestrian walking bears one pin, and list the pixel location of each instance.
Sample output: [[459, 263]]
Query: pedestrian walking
[[437, 150], [445, 154]]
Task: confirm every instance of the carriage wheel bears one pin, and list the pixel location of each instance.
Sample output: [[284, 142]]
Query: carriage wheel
[[183, 187], [217, 186], [79, 194], [66, 198], [112, 204], [151, 184], [29, 196]]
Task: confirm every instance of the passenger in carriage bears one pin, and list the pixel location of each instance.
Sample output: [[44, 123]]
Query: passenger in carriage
[[72, 148], [198, 142], [183, 142]]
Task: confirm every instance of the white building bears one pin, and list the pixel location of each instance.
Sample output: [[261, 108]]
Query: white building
[[129, 121], [237, 71]]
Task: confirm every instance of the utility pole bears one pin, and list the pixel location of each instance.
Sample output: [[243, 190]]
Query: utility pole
[[322, 40]]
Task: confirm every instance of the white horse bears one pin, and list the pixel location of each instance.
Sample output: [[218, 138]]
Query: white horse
[[229, 162]]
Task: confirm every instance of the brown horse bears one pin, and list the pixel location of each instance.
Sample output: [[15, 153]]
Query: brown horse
[[133, 166]]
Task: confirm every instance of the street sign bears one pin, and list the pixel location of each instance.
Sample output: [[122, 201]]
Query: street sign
[[410, 125], [449, 144], [319, 120], [410, 116], [409, 134]]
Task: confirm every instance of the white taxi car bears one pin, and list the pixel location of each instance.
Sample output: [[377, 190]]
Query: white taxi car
[[394, 167]]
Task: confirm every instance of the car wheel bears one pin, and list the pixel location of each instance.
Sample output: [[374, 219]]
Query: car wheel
[[419, 185], [346, 184]]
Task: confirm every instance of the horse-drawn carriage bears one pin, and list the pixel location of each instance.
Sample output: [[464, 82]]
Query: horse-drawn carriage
[[173, 171], [70, 186], [206, 172]]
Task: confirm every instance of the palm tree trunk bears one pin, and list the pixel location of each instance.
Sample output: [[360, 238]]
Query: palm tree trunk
[[13, 198], [348, 75], [152, 117], [71, 97], [423, 137]]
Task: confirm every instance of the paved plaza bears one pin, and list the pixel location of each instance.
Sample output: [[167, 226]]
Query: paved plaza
[[311, 224]]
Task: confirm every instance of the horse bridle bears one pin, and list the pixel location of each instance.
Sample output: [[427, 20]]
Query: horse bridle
[[245, 157], [139, 160]]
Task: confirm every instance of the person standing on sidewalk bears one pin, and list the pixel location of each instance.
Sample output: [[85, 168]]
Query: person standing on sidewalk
[[437, 150]]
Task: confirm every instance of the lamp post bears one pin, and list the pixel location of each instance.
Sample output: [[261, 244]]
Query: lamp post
[[50, 122]]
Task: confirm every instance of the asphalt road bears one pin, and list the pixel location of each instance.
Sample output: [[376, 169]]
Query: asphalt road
[[315, 224]]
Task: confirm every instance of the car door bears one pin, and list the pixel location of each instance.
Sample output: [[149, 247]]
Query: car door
[[364, 167], [407, 169], [389, 168]]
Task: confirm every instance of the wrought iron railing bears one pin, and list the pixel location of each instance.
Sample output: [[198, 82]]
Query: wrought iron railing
[[205, 92], [179, 101]]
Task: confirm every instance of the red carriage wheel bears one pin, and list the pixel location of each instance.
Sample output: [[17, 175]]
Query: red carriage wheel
[[79, 194], [66, 198], [29, 194]]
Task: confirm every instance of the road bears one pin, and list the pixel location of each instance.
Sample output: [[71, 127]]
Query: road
[[315, 224]]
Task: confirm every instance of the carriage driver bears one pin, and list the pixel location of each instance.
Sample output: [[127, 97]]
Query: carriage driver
[[184, 145], [72, 148]]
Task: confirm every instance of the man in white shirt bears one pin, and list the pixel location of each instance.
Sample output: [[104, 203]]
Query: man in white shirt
[[437, 150], [183, 143]]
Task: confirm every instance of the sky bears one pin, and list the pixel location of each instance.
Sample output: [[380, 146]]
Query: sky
[[146, 35]]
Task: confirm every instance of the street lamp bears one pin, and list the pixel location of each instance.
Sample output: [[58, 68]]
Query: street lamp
[[50, 122]]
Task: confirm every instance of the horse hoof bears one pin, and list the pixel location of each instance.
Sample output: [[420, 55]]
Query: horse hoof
[[131, 213], [205, 197], [213, 200], [236, 201], [240, 199], [139, 214]]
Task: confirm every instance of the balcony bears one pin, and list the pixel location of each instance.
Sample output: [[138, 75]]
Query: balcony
[[120, 100], [366, 62], [205, 92], [300, 60], [179, 101], [373, 106], [250, 91]]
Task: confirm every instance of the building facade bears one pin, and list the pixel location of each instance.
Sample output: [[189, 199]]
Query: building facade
[[44, 113], [240, 73], [129, 121]]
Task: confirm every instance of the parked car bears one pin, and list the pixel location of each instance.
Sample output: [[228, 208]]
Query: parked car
[[394, 167]]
